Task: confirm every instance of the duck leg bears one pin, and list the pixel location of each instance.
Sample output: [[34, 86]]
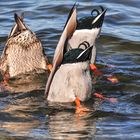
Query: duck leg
[[100, 96], [111, 78], [79, 108], [49, 66], [95, 70], [6, 77], [4, 85]]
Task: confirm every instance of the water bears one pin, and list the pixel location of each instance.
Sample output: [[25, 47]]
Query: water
[[27, 116]]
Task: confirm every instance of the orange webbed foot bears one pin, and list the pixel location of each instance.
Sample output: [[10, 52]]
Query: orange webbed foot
[[100, 96], [6, 77], [49, 66], [5, 83], [113, 79], [80, 110], [95, 70]]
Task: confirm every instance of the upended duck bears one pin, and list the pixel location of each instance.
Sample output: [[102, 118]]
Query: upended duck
[[87, 29], [23, 51], [70, 79]]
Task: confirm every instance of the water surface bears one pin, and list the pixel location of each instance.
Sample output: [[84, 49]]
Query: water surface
[[27, 116]]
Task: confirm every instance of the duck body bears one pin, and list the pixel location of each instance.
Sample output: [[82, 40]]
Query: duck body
[[72, 78], [82, 35], [23, 52], [88, 29], [71, 81]]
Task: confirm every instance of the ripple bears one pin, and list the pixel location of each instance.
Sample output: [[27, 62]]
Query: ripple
[[25, 115]]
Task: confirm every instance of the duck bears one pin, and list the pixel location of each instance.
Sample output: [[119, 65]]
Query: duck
[[23, 51], [70, 78], [87, 29]]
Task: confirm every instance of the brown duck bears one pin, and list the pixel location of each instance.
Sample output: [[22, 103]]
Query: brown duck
[[23, 51]]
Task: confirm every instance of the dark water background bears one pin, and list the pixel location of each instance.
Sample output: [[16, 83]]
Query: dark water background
[[26, 116]]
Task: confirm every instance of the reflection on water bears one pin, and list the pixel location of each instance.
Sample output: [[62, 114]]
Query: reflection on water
[[25, 114], [28, 82], [18, 113], [66, 125]]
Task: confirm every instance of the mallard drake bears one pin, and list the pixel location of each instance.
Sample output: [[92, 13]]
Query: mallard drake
[[70, 78], [87, 29], [23, 51]]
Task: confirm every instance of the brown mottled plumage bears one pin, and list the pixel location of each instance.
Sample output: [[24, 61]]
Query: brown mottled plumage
[[23, 51]]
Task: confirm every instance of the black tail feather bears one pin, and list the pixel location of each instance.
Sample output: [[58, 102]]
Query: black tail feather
[[98, 21]]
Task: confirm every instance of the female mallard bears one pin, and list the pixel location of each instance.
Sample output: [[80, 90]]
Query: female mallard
[[23, 51]]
